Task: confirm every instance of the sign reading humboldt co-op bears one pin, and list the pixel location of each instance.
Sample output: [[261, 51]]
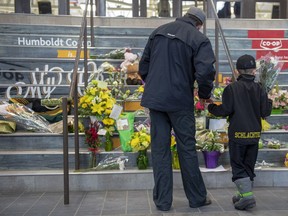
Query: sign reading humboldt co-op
[[38, 59]]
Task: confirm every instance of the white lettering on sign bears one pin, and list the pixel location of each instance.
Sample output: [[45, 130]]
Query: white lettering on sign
[[50, 42], [53, 76], [271, 44]]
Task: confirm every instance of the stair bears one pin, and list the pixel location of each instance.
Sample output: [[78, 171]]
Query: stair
[[34, 161]]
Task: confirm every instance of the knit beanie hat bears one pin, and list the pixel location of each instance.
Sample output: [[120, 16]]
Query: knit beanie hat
[[197, 13]]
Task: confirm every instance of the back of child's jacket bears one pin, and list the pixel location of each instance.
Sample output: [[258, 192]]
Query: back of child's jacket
[[245, 102]]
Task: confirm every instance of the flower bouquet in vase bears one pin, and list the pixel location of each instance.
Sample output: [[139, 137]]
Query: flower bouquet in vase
[[140, 142], [97, 103], [93, 142]]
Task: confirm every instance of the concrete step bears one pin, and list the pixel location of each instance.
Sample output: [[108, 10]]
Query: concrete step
[[53, 159], [130, 179]]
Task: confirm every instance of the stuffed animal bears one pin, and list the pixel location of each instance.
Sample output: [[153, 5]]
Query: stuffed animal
[[131, 66]]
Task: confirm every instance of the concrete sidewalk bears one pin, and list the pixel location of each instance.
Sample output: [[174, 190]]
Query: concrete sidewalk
[[271, 201]]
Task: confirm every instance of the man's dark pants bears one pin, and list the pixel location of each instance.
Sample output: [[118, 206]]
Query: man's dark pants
[[183, 123]]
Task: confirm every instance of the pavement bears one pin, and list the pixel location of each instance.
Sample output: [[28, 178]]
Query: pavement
[[271, 201]]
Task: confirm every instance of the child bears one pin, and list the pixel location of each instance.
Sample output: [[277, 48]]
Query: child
[[245, 102]]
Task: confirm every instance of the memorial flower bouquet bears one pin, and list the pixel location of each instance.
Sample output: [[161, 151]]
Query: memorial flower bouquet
[[199, 108], [268, 68], [137, 95], [92, 138], [279, 98], [96, 101], [140, 142], [207, 140]]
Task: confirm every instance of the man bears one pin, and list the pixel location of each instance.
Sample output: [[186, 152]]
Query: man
[[176, 55]]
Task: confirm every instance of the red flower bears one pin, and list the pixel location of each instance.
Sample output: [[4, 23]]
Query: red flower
[[199, 106], [92, 138]]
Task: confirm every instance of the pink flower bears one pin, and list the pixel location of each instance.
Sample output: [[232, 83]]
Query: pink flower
[[199, 106]]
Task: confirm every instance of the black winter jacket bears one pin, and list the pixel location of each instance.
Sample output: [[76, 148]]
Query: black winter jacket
[[176, 55], [245, 102]]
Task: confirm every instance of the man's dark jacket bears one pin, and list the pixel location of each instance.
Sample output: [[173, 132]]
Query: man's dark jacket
[[245, 102], [176, 55]]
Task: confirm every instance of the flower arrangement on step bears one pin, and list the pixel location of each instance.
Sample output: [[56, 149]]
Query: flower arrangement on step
[[93, 141], [207, 142], [98, 102], [279, 98], [140, 142], [109, 127], [116, 83], [137, 95]]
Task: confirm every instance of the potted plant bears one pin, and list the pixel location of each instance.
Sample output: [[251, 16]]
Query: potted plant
[[207, 142]]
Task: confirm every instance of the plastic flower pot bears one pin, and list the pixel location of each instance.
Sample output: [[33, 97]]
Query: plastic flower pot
[[211, 158]]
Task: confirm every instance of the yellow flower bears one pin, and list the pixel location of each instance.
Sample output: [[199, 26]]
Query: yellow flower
[[110, 103], [84, 105], [104, 95], [140, 89], [88, 99], [108, 121], [134, 142], [140, 140], [93, 91], [97, 108], [173, 141], [108, 111]]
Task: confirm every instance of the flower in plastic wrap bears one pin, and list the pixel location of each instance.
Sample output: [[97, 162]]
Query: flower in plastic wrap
[[268, 68], [279, 98], [140, 140], [24, 117], [207, 140]]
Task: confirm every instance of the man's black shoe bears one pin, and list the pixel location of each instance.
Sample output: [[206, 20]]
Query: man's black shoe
[[207, 202], [163, 208]]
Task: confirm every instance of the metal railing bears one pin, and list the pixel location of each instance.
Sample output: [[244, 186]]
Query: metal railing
[[74, 95], [219, 30]]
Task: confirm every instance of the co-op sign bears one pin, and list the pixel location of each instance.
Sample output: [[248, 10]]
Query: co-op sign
[[271, 44], [49, 42]]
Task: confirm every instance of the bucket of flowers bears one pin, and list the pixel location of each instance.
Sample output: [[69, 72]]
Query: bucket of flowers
[[207, 142], [140, 142]]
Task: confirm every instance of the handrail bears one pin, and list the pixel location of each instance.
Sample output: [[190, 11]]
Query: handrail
[[220, 30], [78, 51], [74, 94]]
